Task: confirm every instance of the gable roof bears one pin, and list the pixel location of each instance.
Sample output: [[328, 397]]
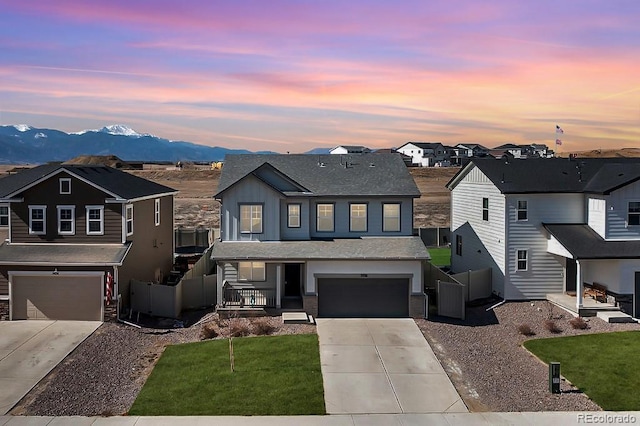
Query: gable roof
[[423, 145], [584, 243], [353, 148], [113, 181], [555, 175], [327, 174]]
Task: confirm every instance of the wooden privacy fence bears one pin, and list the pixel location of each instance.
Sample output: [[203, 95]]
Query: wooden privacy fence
[[451, 299]]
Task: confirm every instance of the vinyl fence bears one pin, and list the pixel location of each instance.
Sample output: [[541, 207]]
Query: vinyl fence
[[478, 283], [451, 299]]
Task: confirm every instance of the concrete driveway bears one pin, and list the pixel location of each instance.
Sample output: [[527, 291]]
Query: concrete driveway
[[382, 366], [29, 350]]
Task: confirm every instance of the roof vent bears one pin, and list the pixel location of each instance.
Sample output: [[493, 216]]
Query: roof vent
[[371, 165], [322, 165]]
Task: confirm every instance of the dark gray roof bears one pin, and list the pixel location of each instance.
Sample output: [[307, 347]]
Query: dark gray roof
[[584, 243], [424, 145], [329, 175], [63, 254], [555, 175], [122, 184], [370, 248]]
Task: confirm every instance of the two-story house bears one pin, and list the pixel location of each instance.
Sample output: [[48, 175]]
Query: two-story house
[[76, 233], [349, 149], [335, 234], [425, 154], [550, 226]]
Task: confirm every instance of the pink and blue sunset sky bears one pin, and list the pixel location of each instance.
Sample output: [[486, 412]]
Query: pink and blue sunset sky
[[294, 75]]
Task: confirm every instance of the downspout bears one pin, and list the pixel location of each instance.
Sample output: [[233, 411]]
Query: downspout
[[579, 289]]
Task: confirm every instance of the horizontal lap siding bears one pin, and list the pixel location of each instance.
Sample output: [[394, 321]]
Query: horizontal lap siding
[[617, 211]]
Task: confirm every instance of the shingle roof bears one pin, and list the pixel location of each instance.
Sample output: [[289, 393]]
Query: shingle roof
[[424, 145], [122, 184], [63, 254], [555, 175], [584, 243], [329, 175], [370, 248]]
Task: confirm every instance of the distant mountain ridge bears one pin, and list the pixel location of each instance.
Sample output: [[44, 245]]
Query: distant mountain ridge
[[21, 143]]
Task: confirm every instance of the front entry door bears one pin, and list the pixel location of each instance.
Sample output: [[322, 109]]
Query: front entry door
[[636, 297], [570, 276], [292, 281]]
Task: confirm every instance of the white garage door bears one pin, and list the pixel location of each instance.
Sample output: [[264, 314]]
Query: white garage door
[[59, 297]]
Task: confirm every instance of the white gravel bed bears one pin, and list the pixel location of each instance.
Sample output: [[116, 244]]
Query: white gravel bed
[[492, 371], [105, 373]]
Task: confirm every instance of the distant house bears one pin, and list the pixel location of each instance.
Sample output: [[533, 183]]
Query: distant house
[[541, 150], [349, 149], [463, 152], [328, 235], [71, 229], [550, 226], [517, 151], [425, 154]]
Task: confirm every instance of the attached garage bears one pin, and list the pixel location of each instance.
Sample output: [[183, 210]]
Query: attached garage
[[363, 297], [63, 296]]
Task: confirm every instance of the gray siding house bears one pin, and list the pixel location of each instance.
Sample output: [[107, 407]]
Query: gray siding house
[[330, 234], [550, 226], [70, 228]]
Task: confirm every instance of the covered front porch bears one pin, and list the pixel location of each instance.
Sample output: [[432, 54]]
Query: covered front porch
[[589, 307]]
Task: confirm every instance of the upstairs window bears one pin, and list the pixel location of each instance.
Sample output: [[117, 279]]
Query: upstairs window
[[37, 220], [156, 214], [324, 222], [65, 186], [459, 245], [129, 219], [293, 215], [358, 218], [66, 220], [391, 217], [95, 220], [4, 215], [252, 271], [485, 209], [633, 216], [522, 260], [251, 218], [521, 210]]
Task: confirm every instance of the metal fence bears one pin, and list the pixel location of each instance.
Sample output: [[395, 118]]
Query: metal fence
[[249, 297], [435, 237]]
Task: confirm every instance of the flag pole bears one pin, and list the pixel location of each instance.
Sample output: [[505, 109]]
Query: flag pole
[[559, 133]]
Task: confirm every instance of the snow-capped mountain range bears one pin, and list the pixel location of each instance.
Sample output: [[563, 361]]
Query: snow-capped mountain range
[[21, 143]]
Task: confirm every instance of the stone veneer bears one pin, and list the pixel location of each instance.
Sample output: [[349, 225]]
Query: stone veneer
[[416, 306], [310, 304]]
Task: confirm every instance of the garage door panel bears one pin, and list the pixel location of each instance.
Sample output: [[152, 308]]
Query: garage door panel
[[363, 297], [57, 297]]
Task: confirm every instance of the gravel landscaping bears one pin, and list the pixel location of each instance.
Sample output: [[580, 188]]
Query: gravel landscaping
[[484, 357], [103, 376]]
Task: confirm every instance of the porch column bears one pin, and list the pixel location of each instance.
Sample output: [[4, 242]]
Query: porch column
[[278, 284], [579, 289], [219, 284]]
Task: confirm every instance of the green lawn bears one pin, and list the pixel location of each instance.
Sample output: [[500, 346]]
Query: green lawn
[[604, 366], [275, 375], [440, 256]]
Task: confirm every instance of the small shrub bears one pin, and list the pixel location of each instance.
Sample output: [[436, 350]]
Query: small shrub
[[263, 326], [209, 331], [579, 323], [551, 326], [239, 327], [526, 330]]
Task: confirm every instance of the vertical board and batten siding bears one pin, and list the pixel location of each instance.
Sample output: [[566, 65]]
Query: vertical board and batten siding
[[545, 272], [47, 193], [617, 211], [596, 214], [250, 191], [341, 216], [301, 233], [483, 242]]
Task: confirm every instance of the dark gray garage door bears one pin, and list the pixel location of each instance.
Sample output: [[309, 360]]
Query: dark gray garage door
[[363, 297]]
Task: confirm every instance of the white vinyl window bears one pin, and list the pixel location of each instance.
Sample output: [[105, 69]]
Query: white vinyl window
[[522, 257], [65, 186], [633, 215], [391, 217], [157, 211], [95, 220], [66, 220], [324, 219], [37, 220], [293, 215], [521, 210], [4, 215], [129, 219], [251, 271], [358, 218], [251, 218]]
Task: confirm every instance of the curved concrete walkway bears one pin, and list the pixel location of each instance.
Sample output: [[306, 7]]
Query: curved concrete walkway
[[372, 366]]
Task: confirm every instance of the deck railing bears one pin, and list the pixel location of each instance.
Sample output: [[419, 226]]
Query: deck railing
[[249, 297]]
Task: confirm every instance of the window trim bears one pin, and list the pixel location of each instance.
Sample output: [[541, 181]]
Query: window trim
[[127, 220], [290, 216], [252, 269], [43, 220], [485, 208], [525, 260], [156, 211], [524, 210], [101, 209], [458, 245], [384, 217], [366, 217], [251, 206], [635, 214], [73, 219], [60, 182], [333, 217], [7, 215]]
